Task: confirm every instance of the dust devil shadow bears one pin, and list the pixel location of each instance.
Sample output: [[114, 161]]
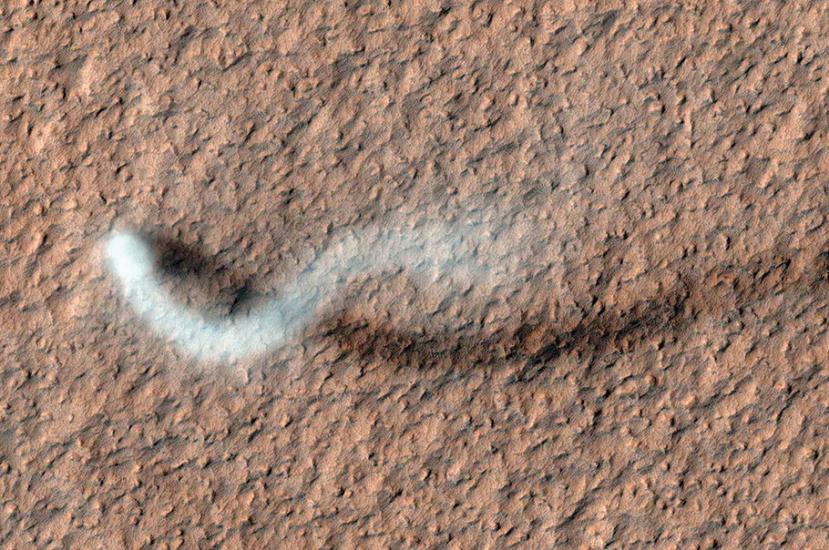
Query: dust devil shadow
[[190, 264], [725, 291]]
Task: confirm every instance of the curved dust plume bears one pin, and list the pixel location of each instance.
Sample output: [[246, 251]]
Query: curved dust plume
[[436, 248]]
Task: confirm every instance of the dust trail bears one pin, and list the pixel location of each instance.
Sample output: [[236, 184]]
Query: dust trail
[[441, 250]]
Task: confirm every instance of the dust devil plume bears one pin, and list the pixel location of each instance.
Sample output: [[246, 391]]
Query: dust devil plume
[[435, 247]]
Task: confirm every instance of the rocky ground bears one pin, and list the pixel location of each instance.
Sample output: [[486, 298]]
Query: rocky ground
[[653, 374]]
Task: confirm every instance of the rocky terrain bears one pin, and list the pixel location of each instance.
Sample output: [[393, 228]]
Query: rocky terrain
[[650, 371]]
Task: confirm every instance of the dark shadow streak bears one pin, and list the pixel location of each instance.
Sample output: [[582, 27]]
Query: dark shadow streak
[[724, 291], [175, 259]]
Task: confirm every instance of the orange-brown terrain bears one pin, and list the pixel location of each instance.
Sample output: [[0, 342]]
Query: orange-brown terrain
[[651, 369]]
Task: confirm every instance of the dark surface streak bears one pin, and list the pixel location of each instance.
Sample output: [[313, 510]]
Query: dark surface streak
[[725, 291]]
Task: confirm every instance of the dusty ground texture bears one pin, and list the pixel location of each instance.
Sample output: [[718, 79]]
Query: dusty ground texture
[[656, 376]]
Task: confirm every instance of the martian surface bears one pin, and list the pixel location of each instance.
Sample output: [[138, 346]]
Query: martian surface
[[425, 274]]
